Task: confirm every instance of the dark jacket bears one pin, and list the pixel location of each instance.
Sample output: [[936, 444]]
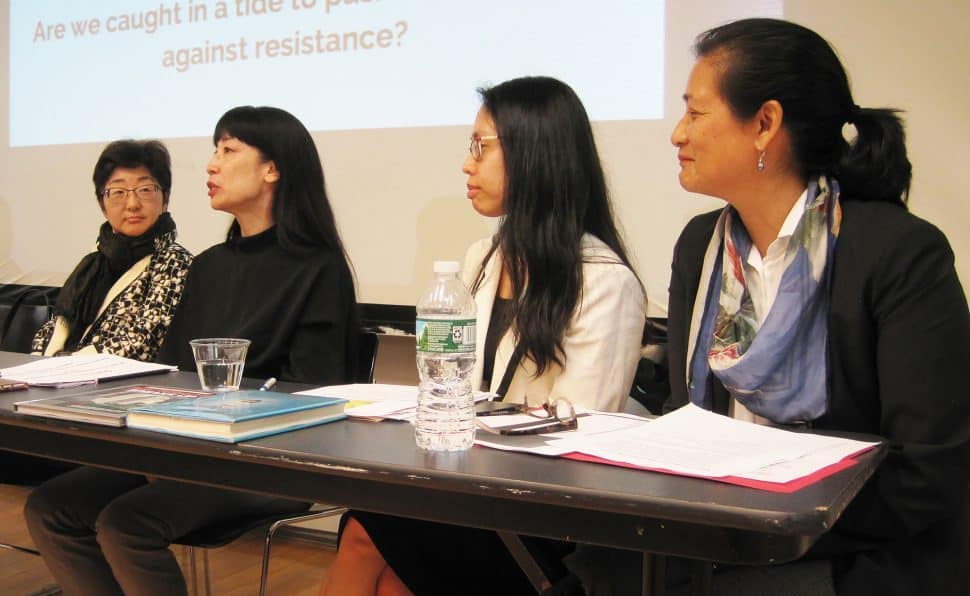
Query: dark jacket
[[898, 350]]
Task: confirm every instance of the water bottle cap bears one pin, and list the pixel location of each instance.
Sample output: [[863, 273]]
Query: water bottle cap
[[446, 267]]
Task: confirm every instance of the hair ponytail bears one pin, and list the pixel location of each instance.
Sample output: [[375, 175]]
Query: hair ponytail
[[875, 166], [765, 59]]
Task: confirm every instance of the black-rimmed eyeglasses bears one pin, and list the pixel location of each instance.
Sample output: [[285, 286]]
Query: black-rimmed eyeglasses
[[551, 416], [475, 147]]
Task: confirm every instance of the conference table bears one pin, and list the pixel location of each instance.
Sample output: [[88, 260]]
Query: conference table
[[377, 467]]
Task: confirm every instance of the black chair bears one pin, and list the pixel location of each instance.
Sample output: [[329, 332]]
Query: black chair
[[366, 357], [23, 309], [221, 534], [651, 383]]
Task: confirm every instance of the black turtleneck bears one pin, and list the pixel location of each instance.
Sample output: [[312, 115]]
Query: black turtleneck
[[298, 310]]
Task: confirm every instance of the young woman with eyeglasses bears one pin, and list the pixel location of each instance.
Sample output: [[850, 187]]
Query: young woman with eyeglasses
[[283, 281], [120, 298], [560, 310]]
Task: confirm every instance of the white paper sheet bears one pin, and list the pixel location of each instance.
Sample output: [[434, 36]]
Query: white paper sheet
[[79, 369], [698, 442], [690, 441], [591, 424], [376, 401]]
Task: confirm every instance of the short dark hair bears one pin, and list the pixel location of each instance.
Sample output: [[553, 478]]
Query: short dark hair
[[555, 191], [301, 209], [129, 153], [765, 59]]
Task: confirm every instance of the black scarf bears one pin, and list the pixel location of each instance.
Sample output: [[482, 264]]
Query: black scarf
[[85, 289]]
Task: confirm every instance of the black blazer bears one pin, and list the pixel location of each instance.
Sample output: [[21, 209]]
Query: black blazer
[[898, 353]]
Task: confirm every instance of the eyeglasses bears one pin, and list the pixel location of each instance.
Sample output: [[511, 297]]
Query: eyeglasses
[[554, 416], [117, 194], [475, 147]]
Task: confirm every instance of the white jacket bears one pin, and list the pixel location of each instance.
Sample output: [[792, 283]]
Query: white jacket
[[601, 347]]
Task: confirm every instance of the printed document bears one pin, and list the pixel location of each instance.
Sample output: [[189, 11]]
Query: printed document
[[694, 442], [79, 369]]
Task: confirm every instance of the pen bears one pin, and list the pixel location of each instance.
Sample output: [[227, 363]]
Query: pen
[[269, 383]]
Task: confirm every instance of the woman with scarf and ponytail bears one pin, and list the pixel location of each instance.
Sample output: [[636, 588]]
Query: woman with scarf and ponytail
[[815, 299], [120, 298]]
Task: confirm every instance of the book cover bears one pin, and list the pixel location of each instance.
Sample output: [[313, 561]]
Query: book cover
[[238, 415], [105, 406]]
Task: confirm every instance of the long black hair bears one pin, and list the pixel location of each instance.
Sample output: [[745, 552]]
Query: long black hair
[[302, 212], [765, 59], [555, 192]]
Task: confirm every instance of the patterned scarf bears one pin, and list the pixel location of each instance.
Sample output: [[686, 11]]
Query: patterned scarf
[[85, 289], [776, 369]]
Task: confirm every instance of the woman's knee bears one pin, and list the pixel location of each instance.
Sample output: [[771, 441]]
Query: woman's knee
[[355, 540], [389, 584], [40, 508], [121, 527]]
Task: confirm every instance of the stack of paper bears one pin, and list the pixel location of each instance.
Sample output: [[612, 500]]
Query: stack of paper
[[65, 371], [376, 401], [695, 442], [591, 424]]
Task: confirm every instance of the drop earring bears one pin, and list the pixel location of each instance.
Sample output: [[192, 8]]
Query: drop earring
[[761, 161]]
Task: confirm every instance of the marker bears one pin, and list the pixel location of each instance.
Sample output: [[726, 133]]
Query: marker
[[268, 384]]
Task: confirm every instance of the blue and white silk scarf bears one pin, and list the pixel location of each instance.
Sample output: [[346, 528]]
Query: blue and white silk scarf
[[776, 369]]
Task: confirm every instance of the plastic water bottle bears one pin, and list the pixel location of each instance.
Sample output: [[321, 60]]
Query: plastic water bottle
[[445, 330]]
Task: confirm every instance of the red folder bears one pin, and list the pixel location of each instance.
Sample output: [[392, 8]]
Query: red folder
[[778, 487]]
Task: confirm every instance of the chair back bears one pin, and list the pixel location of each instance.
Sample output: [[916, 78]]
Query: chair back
[[394, 362], [651, 383], [23, 309], [366, 353]]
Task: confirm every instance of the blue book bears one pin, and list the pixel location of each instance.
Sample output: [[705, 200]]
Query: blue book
[[237, 415]]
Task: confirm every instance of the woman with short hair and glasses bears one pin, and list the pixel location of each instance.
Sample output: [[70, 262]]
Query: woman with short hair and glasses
[[121, 297], [560, 310]]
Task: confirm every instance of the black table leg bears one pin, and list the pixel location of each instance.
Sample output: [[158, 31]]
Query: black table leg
[[700, 577], [654, 574]]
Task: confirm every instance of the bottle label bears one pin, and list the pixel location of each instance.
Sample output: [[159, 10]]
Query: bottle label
[[445, 336]]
